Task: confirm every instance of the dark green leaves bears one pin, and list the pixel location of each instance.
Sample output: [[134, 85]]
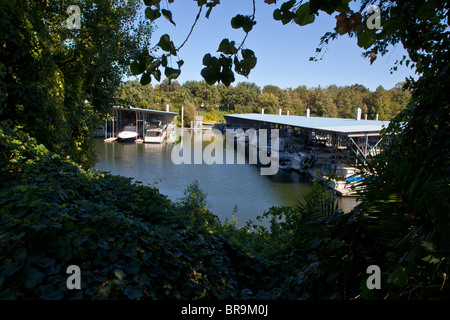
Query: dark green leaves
[[145, 79], [366, 38], [171, 73], [227, 47], [303, 15], [248, 62], [152, 14], [167, 45], [168, 15], [217, 70], [244, 22], [284, 14]]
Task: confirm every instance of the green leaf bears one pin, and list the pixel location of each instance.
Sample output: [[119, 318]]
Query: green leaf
[[145, 79], [33, 278], [166, 44], [400, 277], [244, 22], [210, 75], [303, 15], [172, 73], [157, 74], [206, 59], [119, 274], [227, 47], [168, 15], [287, 5], [277, 15], [227, 76], [152, 14], [133, 292], [137, 67], [366, 38], [152, 2], [180, 63]]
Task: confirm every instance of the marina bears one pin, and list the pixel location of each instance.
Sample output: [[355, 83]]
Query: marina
[[328, 149], [320, 148]]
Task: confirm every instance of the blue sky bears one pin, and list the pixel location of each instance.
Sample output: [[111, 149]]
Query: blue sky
[[283, 51]]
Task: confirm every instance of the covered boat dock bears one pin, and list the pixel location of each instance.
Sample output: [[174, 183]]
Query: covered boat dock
[[140, 118]]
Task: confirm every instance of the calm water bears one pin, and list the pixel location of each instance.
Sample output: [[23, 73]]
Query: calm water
[[226, 185]]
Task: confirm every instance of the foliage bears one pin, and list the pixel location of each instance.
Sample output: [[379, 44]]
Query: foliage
[[58, 82], [247, 97], [130, 241]]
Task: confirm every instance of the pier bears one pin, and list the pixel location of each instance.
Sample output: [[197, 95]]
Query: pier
[[138, 118], [323, 148]]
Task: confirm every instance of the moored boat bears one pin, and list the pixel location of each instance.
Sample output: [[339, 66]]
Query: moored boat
[[128, 134]]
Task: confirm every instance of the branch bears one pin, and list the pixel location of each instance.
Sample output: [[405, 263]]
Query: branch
[[192, 28], [246, 35]]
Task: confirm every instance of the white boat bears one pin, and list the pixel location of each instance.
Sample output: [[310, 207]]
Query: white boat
[[155, 133], [128, 134]]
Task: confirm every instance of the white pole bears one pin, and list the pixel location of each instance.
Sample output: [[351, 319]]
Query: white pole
[[182, 117]]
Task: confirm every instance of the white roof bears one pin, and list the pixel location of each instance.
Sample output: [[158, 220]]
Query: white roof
[[339, 125], [144, 110]]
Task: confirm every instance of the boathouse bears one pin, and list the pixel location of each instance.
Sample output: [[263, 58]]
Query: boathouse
[[140, 118]]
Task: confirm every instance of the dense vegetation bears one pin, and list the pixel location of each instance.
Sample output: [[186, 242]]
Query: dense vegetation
[[58, 82], [131, 242], [245, 97]]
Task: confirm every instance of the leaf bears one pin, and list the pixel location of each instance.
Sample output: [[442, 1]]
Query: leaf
[[152, 14], [303, 15], [145, 79], [157, 74], [244, 22], [119, 274], [168, 15], [366, 38], [227, 76], [152, 3], [134, 68], [270, 1], [206, 59], [133, 292], [210, 75], [171, 73], [166, 44], [277, 15], [227, 47], [287, 5], [33, 278], [180, 63], [400, 277]]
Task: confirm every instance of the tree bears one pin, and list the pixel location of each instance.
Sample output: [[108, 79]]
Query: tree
[[58, 82], [403, 201]]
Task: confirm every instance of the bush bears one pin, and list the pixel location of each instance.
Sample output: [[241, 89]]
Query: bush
[[129, 241]]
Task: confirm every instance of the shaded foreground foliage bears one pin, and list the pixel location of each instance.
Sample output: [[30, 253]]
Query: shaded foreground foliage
[[131, 242]]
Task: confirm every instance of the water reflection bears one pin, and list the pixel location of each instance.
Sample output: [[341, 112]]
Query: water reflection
[[226, 185]]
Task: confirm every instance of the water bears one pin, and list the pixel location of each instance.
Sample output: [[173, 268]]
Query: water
[[225, 185]]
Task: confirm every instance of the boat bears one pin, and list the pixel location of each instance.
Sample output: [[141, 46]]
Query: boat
[[155, 133], [285, 165], [346, 180], [128, 134]]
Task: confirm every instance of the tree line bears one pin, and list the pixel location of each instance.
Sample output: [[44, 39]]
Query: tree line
[[247, 97]]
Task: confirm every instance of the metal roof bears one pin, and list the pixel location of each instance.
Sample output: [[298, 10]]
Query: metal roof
[[144, 110], [339, 125]]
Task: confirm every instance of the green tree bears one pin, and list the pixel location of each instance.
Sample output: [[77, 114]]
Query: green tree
[[59, 82]]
